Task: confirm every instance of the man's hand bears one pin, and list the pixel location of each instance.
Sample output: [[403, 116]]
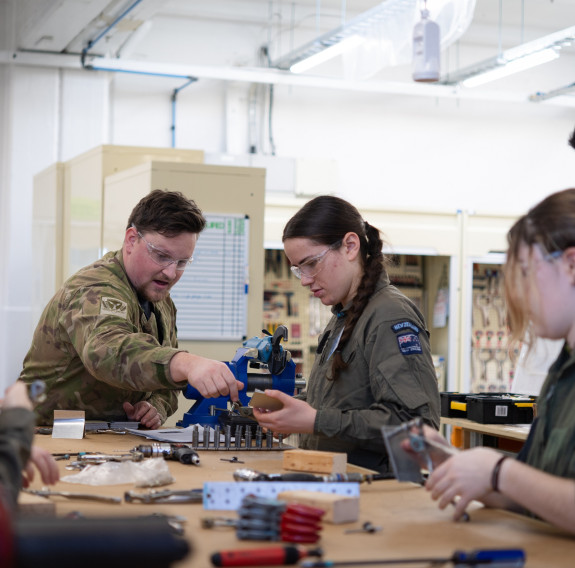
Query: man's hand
[[144, 413], [210, 378], [296, 416], [45, 464]]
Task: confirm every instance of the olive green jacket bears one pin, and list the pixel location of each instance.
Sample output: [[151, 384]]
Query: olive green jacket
[[95, 349], [390, 378], [551, 443]]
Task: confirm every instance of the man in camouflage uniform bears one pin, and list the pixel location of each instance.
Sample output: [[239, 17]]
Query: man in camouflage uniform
[[106, 342]]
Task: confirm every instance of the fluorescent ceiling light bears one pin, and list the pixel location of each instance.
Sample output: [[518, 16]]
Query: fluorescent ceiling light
[[327, 54], [386, 31], [539, 96], [508, 68], [513, 60]]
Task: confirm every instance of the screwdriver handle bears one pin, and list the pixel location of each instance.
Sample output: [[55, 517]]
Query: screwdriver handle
[[272, 556], [513, 557]]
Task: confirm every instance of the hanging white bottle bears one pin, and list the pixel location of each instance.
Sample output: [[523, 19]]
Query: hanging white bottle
[[426, 41]]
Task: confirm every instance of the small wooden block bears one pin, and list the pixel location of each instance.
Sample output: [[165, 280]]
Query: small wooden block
[[314, 461], [338, 508], [34, 505]]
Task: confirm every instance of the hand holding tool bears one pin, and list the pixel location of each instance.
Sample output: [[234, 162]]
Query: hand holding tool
[[261, 353], [410, 451]]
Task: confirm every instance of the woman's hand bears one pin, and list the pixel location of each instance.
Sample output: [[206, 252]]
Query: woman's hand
[[296, 416], [466, 476]]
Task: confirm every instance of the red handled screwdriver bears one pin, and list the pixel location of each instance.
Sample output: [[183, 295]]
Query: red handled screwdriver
[[272, 556]]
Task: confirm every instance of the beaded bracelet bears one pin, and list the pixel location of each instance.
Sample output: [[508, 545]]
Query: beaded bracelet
[[495, 473]]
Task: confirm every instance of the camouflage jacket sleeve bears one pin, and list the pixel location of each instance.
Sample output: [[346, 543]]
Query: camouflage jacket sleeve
[[113, 345], [95, 348], [16, 434]]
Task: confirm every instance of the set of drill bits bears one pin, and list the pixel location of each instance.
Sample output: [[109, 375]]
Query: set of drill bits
[[236, 438]]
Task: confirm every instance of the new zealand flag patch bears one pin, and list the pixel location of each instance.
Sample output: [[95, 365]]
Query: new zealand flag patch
[[407, 338], [409, 343]]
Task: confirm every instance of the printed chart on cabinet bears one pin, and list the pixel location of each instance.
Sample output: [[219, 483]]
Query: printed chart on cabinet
[[211, 297]]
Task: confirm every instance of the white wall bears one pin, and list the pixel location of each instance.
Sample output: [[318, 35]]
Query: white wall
[[48, 116], [392, 151]]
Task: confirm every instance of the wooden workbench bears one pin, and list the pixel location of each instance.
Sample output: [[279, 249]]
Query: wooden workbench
[[412, 524], [474, 431]]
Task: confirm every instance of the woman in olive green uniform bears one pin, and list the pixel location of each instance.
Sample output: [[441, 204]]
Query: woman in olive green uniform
[[373, 365], [540, 295]]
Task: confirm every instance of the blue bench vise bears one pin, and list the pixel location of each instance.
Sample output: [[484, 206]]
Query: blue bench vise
[[261, 353]]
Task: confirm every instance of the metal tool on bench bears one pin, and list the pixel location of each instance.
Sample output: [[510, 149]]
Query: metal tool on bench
[[261, 363], [502, 558], [241, 438], [178, 452], [352, 477], [156, 496], [70, 495]]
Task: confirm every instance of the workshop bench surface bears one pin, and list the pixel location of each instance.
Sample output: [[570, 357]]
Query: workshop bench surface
[[412, 524]]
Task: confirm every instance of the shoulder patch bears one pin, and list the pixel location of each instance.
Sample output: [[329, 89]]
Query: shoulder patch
[[403, 325], [113, 307], [409, 344]]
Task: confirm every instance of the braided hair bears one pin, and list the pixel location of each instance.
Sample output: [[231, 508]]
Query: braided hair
[[325, 220]]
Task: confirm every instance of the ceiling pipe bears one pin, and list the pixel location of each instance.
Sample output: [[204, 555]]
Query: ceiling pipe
[[267, 76], [175, 93], [94, 41]]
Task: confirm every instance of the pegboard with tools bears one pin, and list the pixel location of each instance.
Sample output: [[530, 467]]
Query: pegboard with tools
[[287, 302], [492, 363]]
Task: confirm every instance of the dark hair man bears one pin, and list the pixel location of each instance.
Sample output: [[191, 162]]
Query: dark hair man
[[106, 342]]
